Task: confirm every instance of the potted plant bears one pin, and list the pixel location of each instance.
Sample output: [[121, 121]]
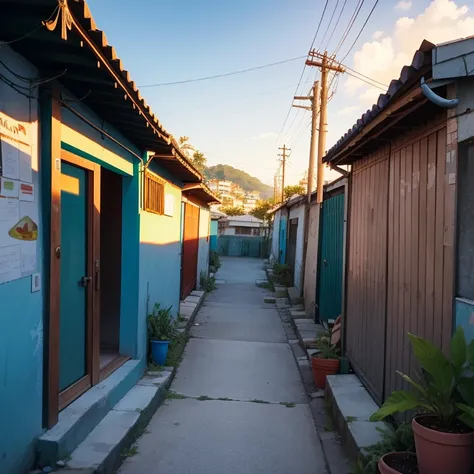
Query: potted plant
[[161, 331], [398, 463], [444, 427], [326, 360]]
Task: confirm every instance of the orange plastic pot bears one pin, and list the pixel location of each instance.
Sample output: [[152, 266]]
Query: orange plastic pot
[[442, 453], [323, 367], [397, 459]]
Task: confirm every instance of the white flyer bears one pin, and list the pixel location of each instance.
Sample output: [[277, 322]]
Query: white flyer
[[10, 160], [9, 218], [26, 173], [29, 216], [10, 267], [9, 188], [27, 192]]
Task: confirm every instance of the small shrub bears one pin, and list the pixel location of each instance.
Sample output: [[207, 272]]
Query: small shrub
[[282, 274], [207, 283], [214, 260], [161, 325]]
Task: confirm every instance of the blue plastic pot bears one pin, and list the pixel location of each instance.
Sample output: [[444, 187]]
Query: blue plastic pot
[[159, 351]]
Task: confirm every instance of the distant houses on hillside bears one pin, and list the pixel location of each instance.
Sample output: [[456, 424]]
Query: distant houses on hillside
[[232, 194]]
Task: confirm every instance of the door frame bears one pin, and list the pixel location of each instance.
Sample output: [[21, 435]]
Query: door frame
[[58, 400]]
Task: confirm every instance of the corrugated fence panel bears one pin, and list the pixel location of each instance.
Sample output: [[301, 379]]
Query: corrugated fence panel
[[367, 270], [417, 285]]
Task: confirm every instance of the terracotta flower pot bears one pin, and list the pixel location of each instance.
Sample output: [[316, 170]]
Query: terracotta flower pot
[[440, 452], [321, 368], [395, 463]]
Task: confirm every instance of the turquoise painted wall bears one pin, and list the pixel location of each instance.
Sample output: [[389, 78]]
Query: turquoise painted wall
[[465, 317], [214, 235], [21, 321], [160, 257]]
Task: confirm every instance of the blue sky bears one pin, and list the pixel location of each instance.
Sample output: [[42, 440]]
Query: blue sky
[[237, 120]]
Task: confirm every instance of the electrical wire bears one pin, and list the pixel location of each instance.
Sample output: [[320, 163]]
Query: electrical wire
[[361, 30], [349, 26], [330, 21], [32, 31], [367, 82], [302, 72], [216, 76], [363, 75], [335, 26]]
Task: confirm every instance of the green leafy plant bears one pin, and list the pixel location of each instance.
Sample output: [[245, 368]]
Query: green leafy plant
[[214, 260], [445, 387], [282, 274], [161, 324], [398, 440], [326, 349], [207, 282]]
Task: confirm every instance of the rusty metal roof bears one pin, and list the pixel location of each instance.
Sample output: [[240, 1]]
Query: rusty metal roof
[[88, 66], [420, 64], [201, 192]]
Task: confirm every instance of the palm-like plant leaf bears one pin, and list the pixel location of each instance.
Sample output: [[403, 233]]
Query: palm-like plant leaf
[[467, 414], [398, 401]]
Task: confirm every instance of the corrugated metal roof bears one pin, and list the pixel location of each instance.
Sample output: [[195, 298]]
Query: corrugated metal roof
[[88, 66], [408, 74]]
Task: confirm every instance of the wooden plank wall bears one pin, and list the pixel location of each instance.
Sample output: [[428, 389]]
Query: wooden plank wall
[[420, 256], [366, 278]]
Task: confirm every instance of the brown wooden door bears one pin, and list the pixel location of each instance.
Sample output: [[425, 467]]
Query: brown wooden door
[[190, 249]]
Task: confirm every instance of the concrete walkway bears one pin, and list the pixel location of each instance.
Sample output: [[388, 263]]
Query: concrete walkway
[[243, 410]]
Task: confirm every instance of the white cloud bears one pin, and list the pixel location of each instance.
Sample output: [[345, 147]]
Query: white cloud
[[382, 59], [265, 136], [377, 35], [349, 110], [404, 5]]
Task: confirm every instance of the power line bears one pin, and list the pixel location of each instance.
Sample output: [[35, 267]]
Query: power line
[[363, 75], [349, 26], [216, 76], [304, 68], [330, 21], [367, 82], [361, 30], [335, 26]]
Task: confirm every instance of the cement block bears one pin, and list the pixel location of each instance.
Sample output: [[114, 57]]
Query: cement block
[[192, 299], [198, 293]]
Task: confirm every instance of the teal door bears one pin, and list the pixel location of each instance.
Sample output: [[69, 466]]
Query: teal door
[[329, 287], [73, 289], [282, 239]]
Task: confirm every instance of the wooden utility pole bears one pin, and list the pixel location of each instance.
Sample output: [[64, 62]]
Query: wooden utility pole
[[326, 64], [314, 108], [284, 156]]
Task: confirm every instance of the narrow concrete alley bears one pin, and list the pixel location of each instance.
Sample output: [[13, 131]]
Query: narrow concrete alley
[[238, 403]]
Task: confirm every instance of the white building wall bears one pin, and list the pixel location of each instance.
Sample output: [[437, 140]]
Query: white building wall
[[203, 250], [298, 212]]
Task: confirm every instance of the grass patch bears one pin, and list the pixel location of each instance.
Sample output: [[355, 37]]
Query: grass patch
[[128, 453], [152, 367], [288, 404], [225, 399], [170, 395], [256, 400], [281, 294], [350, 419], [204, 398], [328, 426], [267, 285], [176, 349]]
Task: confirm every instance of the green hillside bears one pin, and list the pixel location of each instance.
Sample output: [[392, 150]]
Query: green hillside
[[243, 179]]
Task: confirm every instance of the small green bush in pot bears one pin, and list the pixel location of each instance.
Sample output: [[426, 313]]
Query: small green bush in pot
[[162, 329]]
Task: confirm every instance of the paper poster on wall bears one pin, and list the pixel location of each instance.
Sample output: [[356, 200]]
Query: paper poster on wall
[[9, 188], [27, 192], [27, 232], [9, 216], [26, 173], [10, 263], [10, 159], [169, 205]]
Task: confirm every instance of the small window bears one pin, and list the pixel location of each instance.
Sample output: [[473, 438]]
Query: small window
[[256, 232], [154, 199], [243, 231]]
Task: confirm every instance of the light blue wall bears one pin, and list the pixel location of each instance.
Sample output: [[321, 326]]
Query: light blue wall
[[21, 319], [465, 317], [214, 233]]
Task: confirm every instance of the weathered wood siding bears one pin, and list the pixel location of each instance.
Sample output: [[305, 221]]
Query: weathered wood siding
[[401, 257], [367, 270]]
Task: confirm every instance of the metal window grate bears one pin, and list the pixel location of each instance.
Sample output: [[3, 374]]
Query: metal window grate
[[154, 199]]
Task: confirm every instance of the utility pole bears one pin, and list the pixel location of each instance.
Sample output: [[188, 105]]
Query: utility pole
[[314, 108], [326, 64], [284, 156]]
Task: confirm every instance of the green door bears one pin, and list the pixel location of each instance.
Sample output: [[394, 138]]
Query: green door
[[73, 296], [329, 288]]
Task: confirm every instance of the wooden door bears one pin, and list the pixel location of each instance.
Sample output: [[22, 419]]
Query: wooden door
[[190, 249]]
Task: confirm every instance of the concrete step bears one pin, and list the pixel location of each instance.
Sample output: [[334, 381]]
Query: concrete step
[[295, 295], [102, 451], [351, 406], [78, 419]]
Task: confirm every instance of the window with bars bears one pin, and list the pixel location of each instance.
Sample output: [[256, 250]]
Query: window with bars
[[154, 199]]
